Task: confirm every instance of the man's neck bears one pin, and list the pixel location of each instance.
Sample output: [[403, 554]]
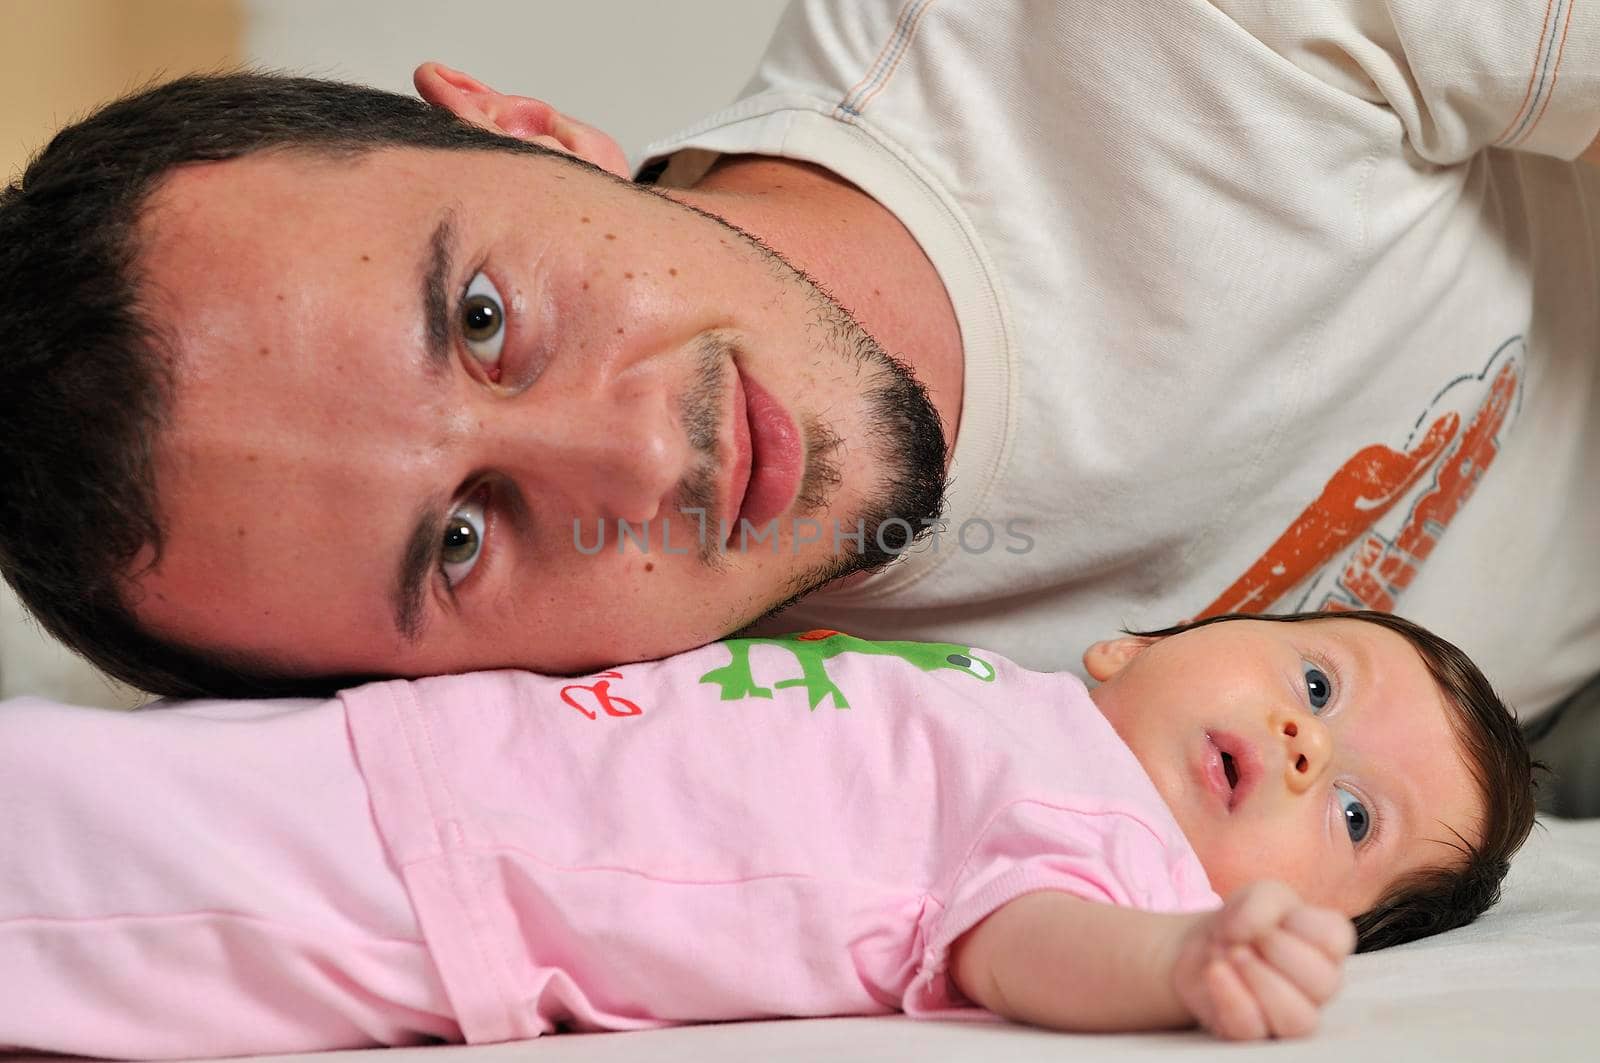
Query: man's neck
[[855, 249]]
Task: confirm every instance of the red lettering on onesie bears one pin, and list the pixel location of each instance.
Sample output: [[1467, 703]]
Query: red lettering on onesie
[[599, 694]]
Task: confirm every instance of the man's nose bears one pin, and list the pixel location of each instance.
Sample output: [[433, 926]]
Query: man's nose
[[1306, 744], [615, 456]]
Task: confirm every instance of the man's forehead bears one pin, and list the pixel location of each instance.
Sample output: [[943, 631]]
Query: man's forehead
[[284, 300], [262, 252], [281, 187]]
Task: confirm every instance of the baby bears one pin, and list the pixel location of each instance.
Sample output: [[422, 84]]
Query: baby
[[807, 825]]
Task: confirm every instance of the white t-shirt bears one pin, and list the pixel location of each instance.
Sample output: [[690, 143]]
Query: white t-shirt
[[1266, 306]]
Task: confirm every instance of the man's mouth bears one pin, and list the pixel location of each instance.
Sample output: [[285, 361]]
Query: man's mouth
[[739, 458], [770, 463]]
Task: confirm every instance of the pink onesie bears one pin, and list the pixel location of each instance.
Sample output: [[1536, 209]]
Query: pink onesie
[[758, 828]]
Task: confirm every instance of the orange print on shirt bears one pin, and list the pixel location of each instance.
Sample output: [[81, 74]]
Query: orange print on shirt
[[1353, 504]]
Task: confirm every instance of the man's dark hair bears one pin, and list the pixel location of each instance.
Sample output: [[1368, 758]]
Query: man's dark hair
[[1442, 898], [89, 377]]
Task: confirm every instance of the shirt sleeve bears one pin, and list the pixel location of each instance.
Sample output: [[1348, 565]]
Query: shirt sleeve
[[1102, 854], [1460, 76]]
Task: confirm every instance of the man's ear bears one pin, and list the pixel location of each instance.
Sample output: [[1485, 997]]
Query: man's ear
[[517, 116], [1105, 659]]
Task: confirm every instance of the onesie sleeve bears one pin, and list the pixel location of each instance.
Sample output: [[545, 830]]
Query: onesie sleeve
[[1460, 76], [1105, 854]]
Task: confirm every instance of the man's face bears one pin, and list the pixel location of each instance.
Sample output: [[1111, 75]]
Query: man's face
[[415, 386], [1318, 753]]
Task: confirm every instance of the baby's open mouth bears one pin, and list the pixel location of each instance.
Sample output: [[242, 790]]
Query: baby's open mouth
[[1230, 770]]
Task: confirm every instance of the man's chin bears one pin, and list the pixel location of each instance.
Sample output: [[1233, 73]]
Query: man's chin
[[838, 572]]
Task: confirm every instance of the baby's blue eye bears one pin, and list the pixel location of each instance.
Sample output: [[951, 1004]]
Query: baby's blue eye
[[1318, 686], [1356, 818]]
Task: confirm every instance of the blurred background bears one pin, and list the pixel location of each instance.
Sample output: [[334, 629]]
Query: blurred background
[[639, 69]]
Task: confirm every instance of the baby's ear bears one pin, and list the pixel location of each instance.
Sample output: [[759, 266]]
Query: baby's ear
[[1105, 659]]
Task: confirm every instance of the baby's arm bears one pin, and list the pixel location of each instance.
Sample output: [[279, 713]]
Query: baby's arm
[[1260, 966]]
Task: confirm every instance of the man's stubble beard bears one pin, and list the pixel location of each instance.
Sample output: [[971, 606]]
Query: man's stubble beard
[[901, 427], [901, 433]]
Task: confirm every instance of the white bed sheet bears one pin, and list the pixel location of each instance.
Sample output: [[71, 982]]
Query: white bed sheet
[[1521, 984]]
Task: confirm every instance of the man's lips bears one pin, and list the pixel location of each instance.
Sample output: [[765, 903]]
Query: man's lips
[[766, 472], [739, 456], [1230, 767]]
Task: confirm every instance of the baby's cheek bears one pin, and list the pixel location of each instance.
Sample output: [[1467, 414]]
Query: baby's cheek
[[1237, 856]]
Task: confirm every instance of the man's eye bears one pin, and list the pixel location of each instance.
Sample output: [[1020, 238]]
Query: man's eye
[[463, 541], [483, 322], [1356, 818], [1319, 688]]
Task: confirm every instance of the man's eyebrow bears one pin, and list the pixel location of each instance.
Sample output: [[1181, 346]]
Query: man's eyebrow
[[416, 566], [419, 559], [435, 271]]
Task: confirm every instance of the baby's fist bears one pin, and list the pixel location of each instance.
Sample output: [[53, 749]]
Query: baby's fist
[[1263, 964]]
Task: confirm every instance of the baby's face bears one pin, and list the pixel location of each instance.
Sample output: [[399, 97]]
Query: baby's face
[[1320, 753]]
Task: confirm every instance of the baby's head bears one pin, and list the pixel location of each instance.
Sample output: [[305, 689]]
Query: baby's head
[[1355, 756]]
